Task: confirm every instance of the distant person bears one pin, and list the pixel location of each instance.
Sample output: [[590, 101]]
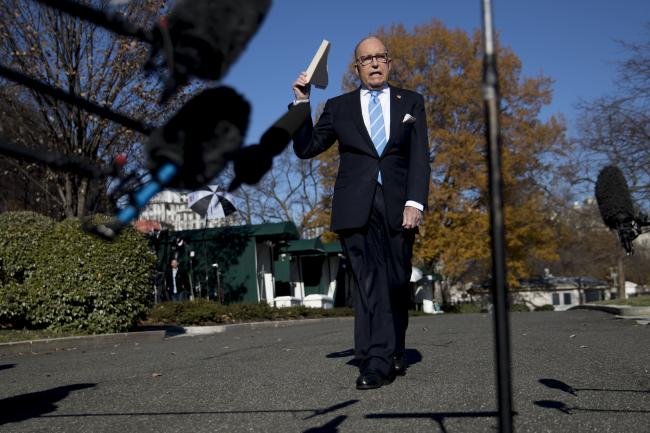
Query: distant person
[[379, 197], [177, 282]]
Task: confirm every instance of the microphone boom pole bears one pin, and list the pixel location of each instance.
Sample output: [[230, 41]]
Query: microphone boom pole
[[499, 293], [72, 99], [111, 22]]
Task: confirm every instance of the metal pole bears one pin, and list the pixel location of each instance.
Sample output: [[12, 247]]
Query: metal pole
[[110, 21], [191, 276], [219, 292], [205, 259], [499, 293], [73, 99]]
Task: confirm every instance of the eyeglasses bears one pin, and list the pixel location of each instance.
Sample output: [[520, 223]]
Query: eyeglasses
[[366, 60]]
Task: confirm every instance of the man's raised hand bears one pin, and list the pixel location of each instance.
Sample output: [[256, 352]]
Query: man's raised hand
[[301, 87]]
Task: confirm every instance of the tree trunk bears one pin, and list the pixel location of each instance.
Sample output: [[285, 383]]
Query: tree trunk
[[445, 288], [82, 195], [66, 197]]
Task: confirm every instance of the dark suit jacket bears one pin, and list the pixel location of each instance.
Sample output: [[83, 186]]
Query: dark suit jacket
[[182, 281], [404, 164]]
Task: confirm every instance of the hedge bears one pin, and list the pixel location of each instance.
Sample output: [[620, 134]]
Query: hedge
[[55, 276], [205, 312]]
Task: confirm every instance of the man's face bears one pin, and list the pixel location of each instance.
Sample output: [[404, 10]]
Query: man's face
[[374, 75], [174, 264]]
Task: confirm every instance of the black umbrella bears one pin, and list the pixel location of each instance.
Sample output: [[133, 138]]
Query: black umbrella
[[211, 202]]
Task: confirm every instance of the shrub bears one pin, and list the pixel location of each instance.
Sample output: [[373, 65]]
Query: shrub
[[461, 308], [199, 312], [546, 307], [203, 312], [66, 279], [519, 308], [22, 235]]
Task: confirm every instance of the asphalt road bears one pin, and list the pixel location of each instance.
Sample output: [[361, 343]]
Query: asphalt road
[[576, 371]]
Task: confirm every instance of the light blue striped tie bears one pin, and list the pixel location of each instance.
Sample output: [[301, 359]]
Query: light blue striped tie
[[377, 128]]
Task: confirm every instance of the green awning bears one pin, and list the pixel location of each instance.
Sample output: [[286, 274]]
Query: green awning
[[284, 230], [275, 231], [333, 247], [303, 246]]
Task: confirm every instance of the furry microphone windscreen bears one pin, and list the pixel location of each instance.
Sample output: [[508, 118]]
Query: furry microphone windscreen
[[613, 197], [203, 38]]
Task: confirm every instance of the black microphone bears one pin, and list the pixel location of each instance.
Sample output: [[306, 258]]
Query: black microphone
[[201, 137], [251, 163], [613, 197], [203, 38], [616, 206]]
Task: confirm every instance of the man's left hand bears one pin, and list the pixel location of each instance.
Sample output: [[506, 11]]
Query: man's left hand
[[412, 217]]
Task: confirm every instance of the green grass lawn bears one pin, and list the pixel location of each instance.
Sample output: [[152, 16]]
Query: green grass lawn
[[639, 301], [9, 335]]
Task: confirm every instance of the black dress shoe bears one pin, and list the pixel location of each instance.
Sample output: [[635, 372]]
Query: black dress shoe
[[373, 379], [399, 365]]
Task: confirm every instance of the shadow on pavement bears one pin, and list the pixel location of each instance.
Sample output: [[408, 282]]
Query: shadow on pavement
[[7, 366], [413, 356], [332, 408], [328, 427], [170, 330], [342, 354], [34, 404], [564, 408], [314, 412], [558, 384], [438, 417]]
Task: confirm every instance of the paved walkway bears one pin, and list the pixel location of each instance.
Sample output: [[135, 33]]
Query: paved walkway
[[572, 371], [155, 333]]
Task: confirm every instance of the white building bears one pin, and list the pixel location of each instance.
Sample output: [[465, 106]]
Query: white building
[[170, 208], [562, 292]]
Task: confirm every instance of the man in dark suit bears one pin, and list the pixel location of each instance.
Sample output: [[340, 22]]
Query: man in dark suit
[[380, 193], [177, 282]]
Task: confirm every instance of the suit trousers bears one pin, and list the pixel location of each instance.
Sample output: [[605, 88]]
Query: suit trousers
[[380, 259]]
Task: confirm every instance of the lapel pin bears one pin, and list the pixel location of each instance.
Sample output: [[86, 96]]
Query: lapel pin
[[399, 96]]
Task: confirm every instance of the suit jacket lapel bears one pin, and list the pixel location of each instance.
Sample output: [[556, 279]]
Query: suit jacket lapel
[[357, 119], [396, 113]]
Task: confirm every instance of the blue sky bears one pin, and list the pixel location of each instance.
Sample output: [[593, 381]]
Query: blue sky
[[570, 41]]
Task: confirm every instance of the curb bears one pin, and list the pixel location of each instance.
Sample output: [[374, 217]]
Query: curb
[[155, 333], [624, 311], [285, 323], [191, 331]]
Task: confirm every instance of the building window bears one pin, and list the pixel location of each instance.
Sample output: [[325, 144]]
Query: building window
[[556, 299], [567, 299]]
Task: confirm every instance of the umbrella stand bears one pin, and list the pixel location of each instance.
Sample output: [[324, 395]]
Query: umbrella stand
[[205, 256], [219, 293]]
